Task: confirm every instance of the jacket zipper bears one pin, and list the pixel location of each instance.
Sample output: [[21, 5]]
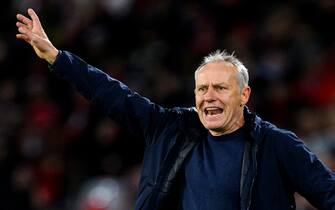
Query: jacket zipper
[[254, 177]]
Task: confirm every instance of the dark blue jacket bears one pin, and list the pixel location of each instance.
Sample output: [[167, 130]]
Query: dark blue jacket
[[275, 164]]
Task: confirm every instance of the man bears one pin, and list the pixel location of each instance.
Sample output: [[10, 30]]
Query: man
[[217, 156]]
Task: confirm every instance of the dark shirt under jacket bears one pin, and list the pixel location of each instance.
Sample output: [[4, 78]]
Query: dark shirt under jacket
[[211, 178]]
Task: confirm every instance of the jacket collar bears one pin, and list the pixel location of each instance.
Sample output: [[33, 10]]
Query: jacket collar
[[253, 124], [194, 127]]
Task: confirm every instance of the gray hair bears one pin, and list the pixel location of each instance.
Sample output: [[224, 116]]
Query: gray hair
[[217, 56]]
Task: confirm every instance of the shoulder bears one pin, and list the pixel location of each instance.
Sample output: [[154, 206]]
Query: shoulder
[[187, 116], [268, 132], [280, 134], [177, 115], [183, 110], [189, 121], [283, 140]]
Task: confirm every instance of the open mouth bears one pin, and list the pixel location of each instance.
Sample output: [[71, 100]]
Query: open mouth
[[211, 111]]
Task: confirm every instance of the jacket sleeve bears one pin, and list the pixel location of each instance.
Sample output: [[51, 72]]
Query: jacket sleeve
[[309, 176], [117, 100]]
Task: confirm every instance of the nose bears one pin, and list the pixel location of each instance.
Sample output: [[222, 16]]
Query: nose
[[210, 94]]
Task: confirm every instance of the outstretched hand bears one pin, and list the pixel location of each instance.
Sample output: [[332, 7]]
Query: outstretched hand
[[31, 31]]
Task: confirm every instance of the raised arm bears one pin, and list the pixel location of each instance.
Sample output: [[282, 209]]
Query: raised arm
[[31, 31], [117, 100]]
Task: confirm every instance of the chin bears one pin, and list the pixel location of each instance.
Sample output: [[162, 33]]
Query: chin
[[212, 126]]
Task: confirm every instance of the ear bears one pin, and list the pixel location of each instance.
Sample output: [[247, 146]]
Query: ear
[[245, 94]]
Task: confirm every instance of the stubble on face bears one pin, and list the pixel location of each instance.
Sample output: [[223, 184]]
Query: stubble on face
[[218, 98]]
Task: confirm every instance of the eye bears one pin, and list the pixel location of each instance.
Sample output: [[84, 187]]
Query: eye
[[221, 88], [201, 89]]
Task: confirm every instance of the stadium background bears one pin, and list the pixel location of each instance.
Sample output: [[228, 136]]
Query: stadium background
[[54, 146]]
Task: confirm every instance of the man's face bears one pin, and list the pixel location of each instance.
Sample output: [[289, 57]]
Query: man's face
[[219, 99]]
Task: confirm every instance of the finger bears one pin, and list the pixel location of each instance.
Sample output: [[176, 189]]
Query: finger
[[25, 31], [22, 37], [24, 19], [19, 24], [22, 30], [34, 17], [26, 36]]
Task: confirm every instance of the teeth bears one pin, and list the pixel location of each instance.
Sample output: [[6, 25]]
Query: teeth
[[209, 109], [213, 110]]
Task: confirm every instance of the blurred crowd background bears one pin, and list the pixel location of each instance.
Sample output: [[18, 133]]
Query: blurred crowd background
[[59, 152]]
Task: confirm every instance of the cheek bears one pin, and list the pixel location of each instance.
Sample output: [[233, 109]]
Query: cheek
[[198, 101], [225, 100], [233, 99]]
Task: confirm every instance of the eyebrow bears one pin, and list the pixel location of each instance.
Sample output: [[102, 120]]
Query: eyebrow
[[213, 84]]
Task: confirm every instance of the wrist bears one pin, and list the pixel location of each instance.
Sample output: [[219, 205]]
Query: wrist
[[52, 56]]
